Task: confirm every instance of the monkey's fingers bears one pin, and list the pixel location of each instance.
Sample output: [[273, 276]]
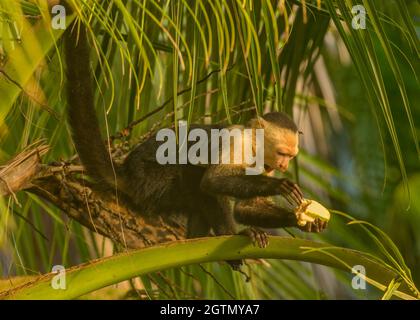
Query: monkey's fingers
[[317, 226], [293, 190], [298, 190], [288, 196], [321, 225], [290, 200], [262, 237], [297, 193], [298, 198], [258, 237], [235, 264]]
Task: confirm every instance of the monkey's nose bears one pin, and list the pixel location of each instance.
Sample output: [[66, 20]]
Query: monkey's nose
[[283, 165], [283, 168]]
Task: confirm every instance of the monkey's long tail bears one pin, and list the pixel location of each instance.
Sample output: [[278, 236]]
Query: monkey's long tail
[[81, 112]]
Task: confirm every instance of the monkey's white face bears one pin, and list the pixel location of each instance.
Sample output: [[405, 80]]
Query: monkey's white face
[[279, 149]]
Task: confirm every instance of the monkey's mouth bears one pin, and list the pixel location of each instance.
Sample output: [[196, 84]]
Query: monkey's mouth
[[268, 168]]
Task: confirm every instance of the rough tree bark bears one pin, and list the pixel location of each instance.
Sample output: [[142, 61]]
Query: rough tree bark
[[64, 186]]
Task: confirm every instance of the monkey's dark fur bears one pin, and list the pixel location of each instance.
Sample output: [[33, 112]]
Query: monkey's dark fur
[[199, 192]]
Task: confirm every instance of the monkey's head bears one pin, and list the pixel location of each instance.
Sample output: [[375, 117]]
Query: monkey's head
[[281, 140]]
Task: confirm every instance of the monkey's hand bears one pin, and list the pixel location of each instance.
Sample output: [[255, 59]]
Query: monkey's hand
[[312, 216], [258, 237], [291, 192], [317, 225]]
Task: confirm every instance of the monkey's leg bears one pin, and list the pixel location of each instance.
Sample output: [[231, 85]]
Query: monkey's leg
[[262, 212], [223, 223], [209, 212], [220, 216], [197, 226]]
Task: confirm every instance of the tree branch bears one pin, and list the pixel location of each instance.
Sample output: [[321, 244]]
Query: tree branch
[[64, 186]]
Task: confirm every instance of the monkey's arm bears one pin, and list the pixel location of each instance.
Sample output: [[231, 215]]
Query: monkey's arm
[[231, 180], [262, 212]]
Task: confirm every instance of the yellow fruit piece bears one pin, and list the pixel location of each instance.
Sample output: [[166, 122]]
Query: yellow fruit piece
[[318, 210], [309, 210]]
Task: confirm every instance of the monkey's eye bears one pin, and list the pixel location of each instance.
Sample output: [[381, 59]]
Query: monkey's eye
[[281, 153]]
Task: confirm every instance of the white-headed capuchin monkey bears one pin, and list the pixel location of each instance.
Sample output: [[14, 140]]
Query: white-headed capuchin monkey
[[204, 193]]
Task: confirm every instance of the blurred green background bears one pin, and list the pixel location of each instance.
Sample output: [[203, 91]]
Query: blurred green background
[[353, 93]]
